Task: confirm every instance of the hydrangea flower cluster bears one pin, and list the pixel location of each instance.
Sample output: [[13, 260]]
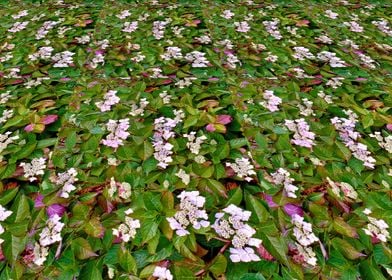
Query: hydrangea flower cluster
[[66, 180], [376, 228], [118, 133], [197, 59], [163, 128], [5, 140], [349, 136], [384, 142], [272, 28], [63, 59], [49, 235], [282, 177], [33, 169], [302, 53], [230, 224], [305, 237], [271, 101], [190, 213], [110, 98], [194, 143], [124, 189], [139, 110], [302, 136], [127, 230], [331, 58], [162, 273], [243, 168], [343, 189], [4, 214]]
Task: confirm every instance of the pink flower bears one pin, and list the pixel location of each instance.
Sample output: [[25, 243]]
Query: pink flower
[[210, 127], [224, 119], [29, 127], [292, 209], [49, 119], [38, 201], [389, 126]]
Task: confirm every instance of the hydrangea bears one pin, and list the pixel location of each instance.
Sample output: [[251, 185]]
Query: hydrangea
[[230, 224], [271, 101], [4, 214], [33, 169], [110, 98], [52, 232], [376, 228], [243, 168], [384, 142], [303, 231], [190, 213], [162, 273], [118, 133], [197, 58], [282, 177], [302, 53], [66, 180], [194, 143], [302, 136], [127, 230]]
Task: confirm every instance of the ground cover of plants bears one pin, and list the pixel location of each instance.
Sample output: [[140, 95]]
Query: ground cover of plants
[[195, 140]]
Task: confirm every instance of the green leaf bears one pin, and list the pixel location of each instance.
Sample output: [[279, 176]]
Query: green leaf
[[127, 262], [257, 208], [346, 249], [82, 249], [277, 247], [91, 271], [238, 142], [8, 195], [148, 229], [343, 228], [369, 272], [219, 265], [22, 209], [71, 141], [13, 246]]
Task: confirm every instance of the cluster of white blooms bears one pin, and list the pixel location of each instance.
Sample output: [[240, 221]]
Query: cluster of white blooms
[[156, 73], [324, 39], [5, 140], [335, 82], [354, 26], [271, 57], [166, 98], [162, 273], [197, 58], [158, 28], [62, 30], [384, 142], [377, 228], [5, 96], [118, 133], [242, 26], [36, 167], [52, 232], [282, 177], [110, 99], [303, 231], [185, 177], [300, 73], [13, 73], [35, 82], [383, 26], [349, 43], [327, 98], [271, 101], [230, 224], [18, 26], [342, 189], [7, 56], [124, 189], [83, 39], [124, 14], [97, 58], [40, 254], [130, 27], [127, 230], [331, 58], [7, 114], [163, 132], [306, 108], [331, 15], [66, 180], [63, 59], [272, 28], [305, 237], [302, 136], [190, 213], [231, 60], [138, 58], [302, 53], [20, 14], [172, 52], [367, 61], [204, 39], [42, 53], [177, 31], [187, 81], [4, 214], [243, 168], [139, 110], [226, 43], [349, 136], [227, 14], [45, 28], [194, 143]]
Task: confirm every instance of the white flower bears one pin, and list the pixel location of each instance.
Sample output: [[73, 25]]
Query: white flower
[[377, 228], [331, 57], [302, 135], [282, 177], [303, 231], [118, 133], [185, 178], [127, 230], [242, 26], [189, 213], [246, 254], [110, 99], [40, 254], [331, 15], [301, 53], [243, 168], [66, 180], [4, 213], [194, 143], [130, 27], [139, 110], [36, 167], [172, 53], [271, 101], [162, 273], [52, 232], [197, 58], [307, 254], [227, 14], [63, 59]]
